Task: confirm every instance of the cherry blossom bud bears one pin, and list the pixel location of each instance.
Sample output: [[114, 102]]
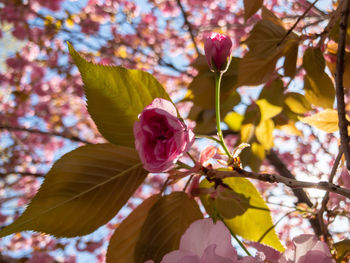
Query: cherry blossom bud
[[218, 49]]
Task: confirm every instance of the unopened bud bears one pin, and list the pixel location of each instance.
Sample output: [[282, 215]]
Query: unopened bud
[[218, 49]]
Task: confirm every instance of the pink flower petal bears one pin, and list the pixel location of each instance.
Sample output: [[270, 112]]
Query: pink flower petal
[[203, 233]]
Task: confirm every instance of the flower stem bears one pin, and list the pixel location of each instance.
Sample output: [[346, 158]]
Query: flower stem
[[218, 78], [236, 238]]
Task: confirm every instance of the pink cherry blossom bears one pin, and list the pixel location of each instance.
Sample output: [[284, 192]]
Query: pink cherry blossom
[[160, 136], [204, 242], [309, 249], [218, 49]]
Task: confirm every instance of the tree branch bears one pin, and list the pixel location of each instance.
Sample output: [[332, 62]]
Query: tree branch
[[189, 26], [275, 178], [57, 134], [22, 173], [299, 193], [332, 21], [326, 235], [297, 22], [339, 72]]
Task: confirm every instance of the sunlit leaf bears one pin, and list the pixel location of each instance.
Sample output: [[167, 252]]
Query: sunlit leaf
[[290, 129], [234, 121], [203, 85], [269, 15], [255, 223], [270, 101], [331, 63], [313, 62], [251, 7], [123, 241], [115, 97], [251, 119], [264, 39], [326, 120], [166, 222], [230, 204], [291, 56], [82, 191], [343, 250], [264, 133], [253, 156], [319, 91], [296, 102], [255, 71]]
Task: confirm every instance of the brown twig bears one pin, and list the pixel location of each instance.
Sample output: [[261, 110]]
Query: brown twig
[[57, 134], [189, 26], [22, 173], [326, 235], [332, 21], [339, 72], [275, 178], [297, 22], [300, 194]]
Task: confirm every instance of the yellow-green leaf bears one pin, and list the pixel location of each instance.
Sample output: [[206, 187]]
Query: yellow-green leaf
[[254, 71], [251, 7], [343, 250], [313, 62], [234, 121], [115, 97], [230, 204], [166, 222], [297, 103], [253, 156], [264, 38], [269, 15], [82, 191], [122, 245], [291, 56], [203, 85], [326, 120], [319, 91], [270, 101], [264, 133], [255, 223]]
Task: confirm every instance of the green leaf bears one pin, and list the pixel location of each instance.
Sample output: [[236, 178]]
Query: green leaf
[[166, 222], [115, 97], [251, 119], [297, 103], [82, 191], [251, 7], [291, 56], [326, 120], [319, 91], [313, 62], [343, 250], [253, 156], [255, 223], [270, 101], [205, 118], [269, 15], [264, 38], [254, 71], [230, 204], [123, 241], [203, 85], [264, 133], [234, 121]]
